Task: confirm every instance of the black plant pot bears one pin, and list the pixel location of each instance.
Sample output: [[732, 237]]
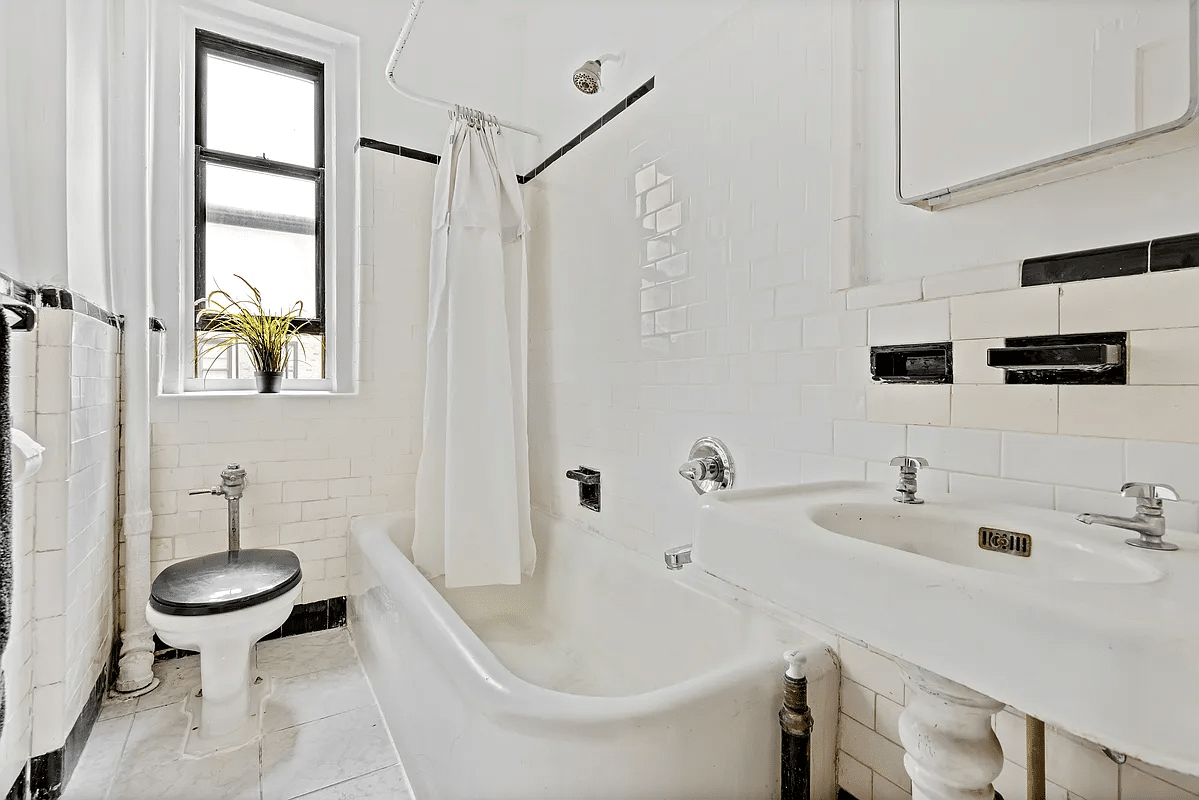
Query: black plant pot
[[268, 382]]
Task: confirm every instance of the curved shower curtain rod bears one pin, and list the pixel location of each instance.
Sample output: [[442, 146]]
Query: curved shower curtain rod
[[405, 32]]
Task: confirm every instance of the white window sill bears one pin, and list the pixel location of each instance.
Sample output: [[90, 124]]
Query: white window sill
[[226, 393]]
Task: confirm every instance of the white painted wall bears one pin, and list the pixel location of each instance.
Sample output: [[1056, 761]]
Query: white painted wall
[[514, 59], [465, 51], [681, 286], [1137, 201], [55, 55]]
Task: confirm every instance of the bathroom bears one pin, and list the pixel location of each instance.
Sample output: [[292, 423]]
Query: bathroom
[[727, 242]]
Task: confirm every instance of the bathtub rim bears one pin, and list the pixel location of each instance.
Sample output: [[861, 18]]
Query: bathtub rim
[[479, 675]]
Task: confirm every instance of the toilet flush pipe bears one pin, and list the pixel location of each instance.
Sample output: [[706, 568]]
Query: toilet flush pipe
[[1034, 742], [129, 265]]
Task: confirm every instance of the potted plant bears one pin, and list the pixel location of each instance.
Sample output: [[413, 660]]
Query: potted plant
[[267, 336]]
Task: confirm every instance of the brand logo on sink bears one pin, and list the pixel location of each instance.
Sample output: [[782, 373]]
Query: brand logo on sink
[[1015, 544]]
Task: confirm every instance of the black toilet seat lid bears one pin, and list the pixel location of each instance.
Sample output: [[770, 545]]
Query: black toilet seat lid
[[225, 581]]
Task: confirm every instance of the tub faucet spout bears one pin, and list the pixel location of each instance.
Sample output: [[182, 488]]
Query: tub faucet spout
[[678, 557]]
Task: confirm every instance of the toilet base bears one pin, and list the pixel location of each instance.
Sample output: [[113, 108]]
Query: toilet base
[[196, 745]]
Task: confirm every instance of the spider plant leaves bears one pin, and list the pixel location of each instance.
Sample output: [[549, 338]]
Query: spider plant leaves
[[266, 335]]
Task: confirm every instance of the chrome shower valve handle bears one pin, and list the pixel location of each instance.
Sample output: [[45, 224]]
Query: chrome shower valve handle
[[906, 490]]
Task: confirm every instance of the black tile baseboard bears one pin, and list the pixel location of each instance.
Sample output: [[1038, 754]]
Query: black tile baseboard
[[1086, 265], [844, 795], [431, 158], [49, 772], [322, 615]]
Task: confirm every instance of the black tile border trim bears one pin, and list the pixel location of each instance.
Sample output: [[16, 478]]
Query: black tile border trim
[[398, 150], [430, 158], [322, 615], [844, 795], [1086, 265], [50, 772], [614, 112], [16, 289], [55, 297], [1174, 252], [1165, 254]]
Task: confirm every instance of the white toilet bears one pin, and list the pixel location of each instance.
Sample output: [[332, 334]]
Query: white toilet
[[221, 605]]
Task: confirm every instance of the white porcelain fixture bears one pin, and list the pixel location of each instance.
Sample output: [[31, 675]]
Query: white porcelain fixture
[[602, 676], [230, 600], [1085, 633]]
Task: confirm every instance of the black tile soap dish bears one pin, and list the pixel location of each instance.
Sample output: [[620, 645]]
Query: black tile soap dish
[[1093, 358], [912, 363], [589, 486]]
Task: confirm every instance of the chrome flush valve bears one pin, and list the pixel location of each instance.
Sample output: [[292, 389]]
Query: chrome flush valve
[[231, 487], [908, 467]]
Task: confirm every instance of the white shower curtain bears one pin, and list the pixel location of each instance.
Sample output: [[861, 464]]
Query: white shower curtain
[[472, 486]]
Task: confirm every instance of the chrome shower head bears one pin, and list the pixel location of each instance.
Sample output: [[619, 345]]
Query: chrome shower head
[[587, 77]]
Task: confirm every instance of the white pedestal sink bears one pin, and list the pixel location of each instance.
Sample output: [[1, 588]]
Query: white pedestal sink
[[1086, 633]]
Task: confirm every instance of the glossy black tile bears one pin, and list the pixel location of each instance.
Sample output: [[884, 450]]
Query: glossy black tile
[[50, 772], [1085, 265], [912, 363], [321, 615], [57, 297], [1061, 351], [1175, 252], [419, 155]]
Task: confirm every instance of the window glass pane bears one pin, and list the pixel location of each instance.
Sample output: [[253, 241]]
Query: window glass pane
[[216, 362], [263, 228], [253, 111]]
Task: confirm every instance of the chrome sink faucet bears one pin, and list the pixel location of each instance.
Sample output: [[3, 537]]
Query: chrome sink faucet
[[906, 490], [231, 487], [1149, 521]]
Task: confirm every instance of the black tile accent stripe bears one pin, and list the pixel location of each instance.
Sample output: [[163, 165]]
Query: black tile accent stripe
[[17, 289], [616, 110], [1176, 252], [1086, 265], [322, 615], [49, 772], [399, 150], [56, 297], [844, 795]]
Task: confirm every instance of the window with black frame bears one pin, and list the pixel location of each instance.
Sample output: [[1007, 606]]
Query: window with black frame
[[260, 199]]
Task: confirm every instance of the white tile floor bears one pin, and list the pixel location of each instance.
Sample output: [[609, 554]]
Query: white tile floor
[[324, 738]]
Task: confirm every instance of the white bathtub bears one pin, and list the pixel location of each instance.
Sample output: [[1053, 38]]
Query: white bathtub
[[602, 678]]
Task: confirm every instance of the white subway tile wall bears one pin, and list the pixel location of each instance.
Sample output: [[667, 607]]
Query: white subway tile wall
[[16, 740], [313, 462], [77, 394], [728, 320]]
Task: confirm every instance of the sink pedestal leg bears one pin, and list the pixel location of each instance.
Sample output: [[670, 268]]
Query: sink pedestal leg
[[952, 752]]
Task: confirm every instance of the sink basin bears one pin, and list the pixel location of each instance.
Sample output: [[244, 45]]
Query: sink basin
[[950, 534], [1085, 632]]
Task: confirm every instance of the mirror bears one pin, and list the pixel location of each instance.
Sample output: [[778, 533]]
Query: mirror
[[990, 89]]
